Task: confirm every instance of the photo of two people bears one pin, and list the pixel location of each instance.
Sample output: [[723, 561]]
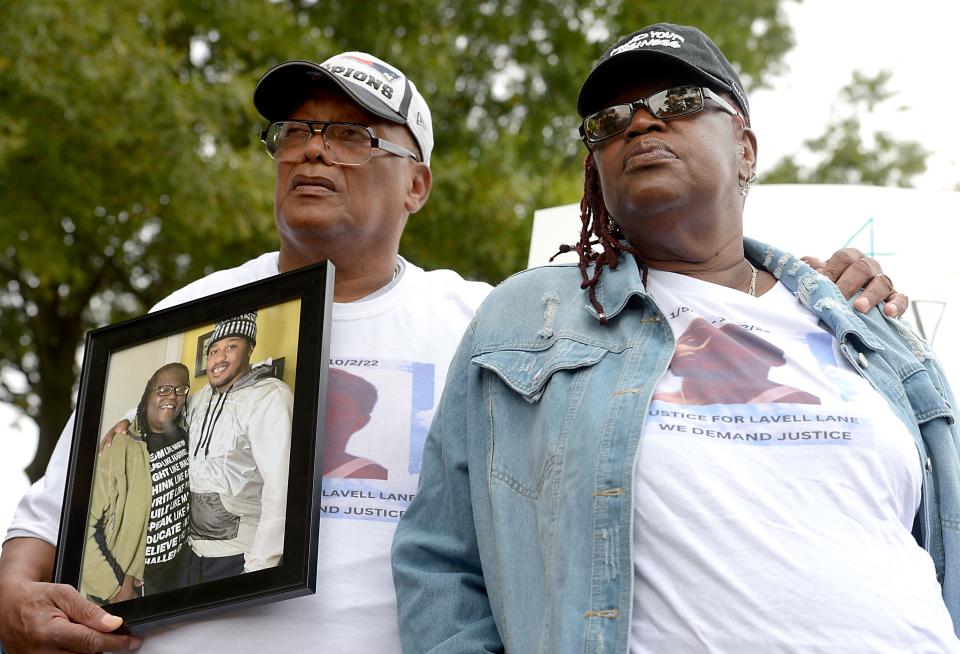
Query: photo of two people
[[190, 483]]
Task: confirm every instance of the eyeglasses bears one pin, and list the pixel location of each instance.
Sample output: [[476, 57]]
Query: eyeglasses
[[665, 105], [347, 144], [166, 389]]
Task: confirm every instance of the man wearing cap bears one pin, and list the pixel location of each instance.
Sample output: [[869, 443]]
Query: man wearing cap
[[572, 500], [239, 458], [352, 140]]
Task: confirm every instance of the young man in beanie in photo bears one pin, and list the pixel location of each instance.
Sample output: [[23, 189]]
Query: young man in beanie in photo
[[239, 458], [352, 140]]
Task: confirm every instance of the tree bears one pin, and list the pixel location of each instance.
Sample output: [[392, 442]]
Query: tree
[[130, 162], [112, 174], [846, 154]]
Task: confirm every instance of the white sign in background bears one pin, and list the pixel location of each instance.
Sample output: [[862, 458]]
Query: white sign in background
[[912, 233]]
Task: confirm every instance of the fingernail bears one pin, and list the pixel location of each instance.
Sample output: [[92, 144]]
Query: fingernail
[[111, 622], [861, 305], [135, 642]]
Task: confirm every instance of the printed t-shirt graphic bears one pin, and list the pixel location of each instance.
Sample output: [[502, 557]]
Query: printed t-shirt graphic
[[758, 371], [167, 528], [772, 480], [350, 403], [728, 365], [378, 415]]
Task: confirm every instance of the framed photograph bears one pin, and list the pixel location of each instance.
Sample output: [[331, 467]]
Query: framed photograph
[[200, 366], [196, 490]]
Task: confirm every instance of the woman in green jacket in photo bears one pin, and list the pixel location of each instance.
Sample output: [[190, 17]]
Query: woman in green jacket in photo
[[139, 508]]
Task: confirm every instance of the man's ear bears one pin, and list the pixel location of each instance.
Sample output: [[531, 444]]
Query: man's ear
[[421, 181], [748, 161]]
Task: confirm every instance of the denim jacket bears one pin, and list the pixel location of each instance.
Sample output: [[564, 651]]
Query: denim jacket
[[520, 536]]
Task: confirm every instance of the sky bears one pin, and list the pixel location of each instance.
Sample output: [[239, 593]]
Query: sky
[[915, 41]]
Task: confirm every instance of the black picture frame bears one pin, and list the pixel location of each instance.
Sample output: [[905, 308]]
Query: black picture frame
[[296, 574]]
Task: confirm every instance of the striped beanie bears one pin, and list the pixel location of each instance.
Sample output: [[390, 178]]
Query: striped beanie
[[244, 325]]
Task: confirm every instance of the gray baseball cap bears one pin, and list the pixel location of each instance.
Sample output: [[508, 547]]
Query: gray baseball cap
[[375, 85]]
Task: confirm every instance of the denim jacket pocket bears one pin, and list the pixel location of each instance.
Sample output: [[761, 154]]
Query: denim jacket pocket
[[527, 371], [524, 447]]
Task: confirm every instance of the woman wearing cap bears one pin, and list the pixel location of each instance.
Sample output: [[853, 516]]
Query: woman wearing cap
[[572, 499]]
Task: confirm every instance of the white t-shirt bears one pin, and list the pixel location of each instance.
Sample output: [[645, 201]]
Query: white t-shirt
[[775, 492], [398, 342]]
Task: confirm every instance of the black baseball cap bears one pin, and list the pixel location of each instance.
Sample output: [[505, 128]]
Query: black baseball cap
[[683, 44]]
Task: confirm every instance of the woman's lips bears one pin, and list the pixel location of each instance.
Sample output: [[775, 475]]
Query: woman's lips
[[648, 152]]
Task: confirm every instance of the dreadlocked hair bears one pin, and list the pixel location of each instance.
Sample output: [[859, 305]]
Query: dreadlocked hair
[[597, 228]]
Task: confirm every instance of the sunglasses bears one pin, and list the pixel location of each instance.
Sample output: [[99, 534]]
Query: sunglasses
[[167, 389], [665, 105]]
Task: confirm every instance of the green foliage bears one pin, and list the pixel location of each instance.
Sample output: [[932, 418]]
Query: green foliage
[[502, 79], [845, 154], [125, 171], [130, 161]]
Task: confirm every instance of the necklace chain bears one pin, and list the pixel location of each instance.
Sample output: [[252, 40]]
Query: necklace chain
[[753, 280]]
